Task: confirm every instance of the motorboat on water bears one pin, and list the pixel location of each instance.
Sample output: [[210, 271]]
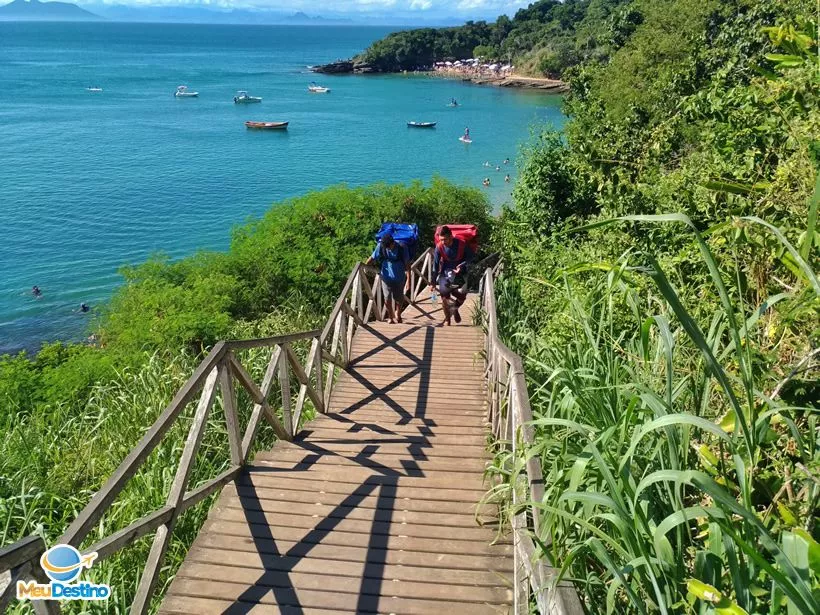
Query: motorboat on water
[[242, 97], [267, 125], [184, 92], [94, 88], [318, 89], [421, 124]]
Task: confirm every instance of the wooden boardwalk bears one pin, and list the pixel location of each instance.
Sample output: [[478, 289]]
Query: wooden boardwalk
[[372, 507]]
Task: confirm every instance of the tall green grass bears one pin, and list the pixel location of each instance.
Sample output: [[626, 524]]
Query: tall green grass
[[681, 474]]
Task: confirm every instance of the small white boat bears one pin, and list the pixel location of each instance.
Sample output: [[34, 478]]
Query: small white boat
[[183, 92], [243, 98], [94, 88], [318, 89]]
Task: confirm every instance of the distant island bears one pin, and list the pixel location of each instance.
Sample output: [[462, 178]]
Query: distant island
[[34, 10]]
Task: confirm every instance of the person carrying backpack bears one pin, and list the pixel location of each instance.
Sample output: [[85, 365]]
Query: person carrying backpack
[[452, 255], [394, 260]]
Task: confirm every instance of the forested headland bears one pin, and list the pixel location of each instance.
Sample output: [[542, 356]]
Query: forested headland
[[544, 39], [660, 283]]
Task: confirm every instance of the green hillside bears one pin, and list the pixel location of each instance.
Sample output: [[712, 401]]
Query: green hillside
[[545, 38]]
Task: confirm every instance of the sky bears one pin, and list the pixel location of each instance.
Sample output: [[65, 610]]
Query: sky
[[424, 9]]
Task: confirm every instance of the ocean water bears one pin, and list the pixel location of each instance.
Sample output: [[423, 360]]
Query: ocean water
[[92, 181]]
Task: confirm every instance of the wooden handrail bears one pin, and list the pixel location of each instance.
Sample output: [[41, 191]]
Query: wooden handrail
[[510, 415], [359, 302]]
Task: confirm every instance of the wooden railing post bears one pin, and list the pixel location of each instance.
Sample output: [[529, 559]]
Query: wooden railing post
[[260, 406], [284, 385], [229, 408], [150, 575], [317, 369]]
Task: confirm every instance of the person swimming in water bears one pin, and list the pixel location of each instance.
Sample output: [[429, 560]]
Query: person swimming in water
[[506, 178], [35, 290], [84, 307], [506, 161], [486, 182], [497, 168]]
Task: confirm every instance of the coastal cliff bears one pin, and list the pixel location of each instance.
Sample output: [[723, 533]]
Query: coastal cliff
[[340, 67]]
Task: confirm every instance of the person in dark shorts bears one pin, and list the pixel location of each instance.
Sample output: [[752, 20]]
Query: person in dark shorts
[[448, 271], [394, 261]]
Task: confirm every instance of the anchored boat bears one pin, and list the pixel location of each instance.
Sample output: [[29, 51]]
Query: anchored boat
[[421, 124], [243, 98], [184, 92], [318, 89], [267, 125]]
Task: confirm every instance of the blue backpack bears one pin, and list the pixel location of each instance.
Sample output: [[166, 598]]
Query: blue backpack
[[408, 234]]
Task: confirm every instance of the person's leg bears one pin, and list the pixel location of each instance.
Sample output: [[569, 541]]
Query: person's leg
[[444, 292], [387, 293], [391, 314]]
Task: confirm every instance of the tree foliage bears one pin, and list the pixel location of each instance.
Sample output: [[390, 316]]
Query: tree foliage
[[543, 39], [678, 329]]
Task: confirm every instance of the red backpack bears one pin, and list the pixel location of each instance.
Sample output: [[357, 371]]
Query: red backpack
[[467, 233]]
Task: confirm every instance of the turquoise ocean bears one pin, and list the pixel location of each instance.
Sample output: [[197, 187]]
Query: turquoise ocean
[[92, 181]]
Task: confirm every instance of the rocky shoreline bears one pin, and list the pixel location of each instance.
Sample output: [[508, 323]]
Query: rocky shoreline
[[357, 67], [343, 67]]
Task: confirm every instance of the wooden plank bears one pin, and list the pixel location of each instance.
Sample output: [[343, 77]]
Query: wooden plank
[[399, 409], [414, 489], [357, 475], [419, 451], [370, 526], [290, 538], [393, 464], [271, 341], [16, 554], [305, 500], [347, 427], [326, 600], [325, 437], [319, 566], [439, 391], [341, 584], [195, 605], [268, 550], [351, 512]]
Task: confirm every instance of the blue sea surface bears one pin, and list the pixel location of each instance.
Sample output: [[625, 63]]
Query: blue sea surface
[[92, 181]]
